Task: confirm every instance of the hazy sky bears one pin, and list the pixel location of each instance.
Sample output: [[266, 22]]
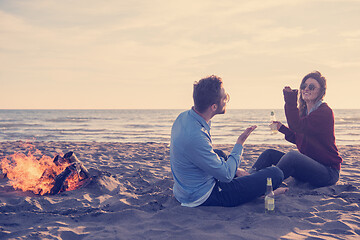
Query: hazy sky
[[147, 54]]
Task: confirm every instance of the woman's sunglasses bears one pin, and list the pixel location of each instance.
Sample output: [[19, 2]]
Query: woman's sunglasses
[[310, 86]]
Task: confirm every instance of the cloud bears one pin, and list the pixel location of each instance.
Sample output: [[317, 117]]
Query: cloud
[[165, 43], [351, 37]]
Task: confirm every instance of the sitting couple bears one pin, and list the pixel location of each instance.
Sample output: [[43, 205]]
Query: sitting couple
[[204, 176]]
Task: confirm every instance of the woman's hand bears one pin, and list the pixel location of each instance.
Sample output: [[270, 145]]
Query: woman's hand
[[287, 89], [277, 124]]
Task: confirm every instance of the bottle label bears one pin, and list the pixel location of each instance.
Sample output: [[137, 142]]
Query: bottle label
[[269, 204]]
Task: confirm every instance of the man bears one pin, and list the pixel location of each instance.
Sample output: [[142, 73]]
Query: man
[[201, 176]]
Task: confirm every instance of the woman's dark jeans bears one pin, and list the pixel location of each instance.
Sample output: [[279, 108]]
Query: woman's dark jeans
[[299, 166], [243, 189]]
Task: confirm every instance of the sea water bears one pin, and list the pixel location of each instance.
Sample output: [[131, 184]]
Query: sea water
[[152, 125]]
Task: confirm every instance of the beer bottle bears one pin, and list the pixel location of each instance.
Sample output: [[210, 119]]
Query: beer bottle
[[269, 197], [273, 126]]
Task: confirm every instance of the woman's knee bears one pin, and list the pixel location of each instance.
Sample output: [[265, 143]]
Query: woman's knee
[[290, 157], [290, 162], [292, 153], [269, 152], [267, 155]]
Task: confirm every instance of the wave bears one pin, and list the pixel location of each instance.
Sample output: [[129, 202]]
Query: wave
[[153, 126], [19, 125], [68, 119], [149, 125], [76, 130]]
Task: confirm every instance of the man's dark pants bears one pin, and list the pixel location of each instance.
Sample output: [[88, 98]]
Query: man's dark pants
[[243, 189]]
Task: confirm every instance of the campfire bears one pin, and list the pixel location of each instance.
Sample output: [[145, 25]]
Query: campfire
[[44, 175]]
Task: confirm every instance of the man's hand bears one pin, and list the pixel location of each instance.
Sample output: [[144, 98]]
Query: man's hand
[[241, 173], [242, 138]]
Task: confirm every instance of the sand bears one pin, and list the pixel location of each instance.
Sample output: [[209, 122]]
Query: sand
[[131, 198]]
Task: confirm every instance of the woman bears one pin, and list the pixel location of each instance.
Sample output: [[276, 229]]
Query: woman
[[311, 128]]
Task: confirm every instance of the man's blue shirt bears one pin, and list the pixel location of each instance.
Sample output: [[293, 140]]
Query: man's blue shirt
[[194, 164]]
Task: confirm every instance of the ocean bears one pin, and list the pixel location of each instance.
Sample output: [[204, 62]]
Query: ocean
[[152, 125]]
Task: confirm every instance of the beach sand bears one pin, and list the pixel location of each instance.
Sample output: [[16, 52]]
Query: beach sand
[[131, 198]]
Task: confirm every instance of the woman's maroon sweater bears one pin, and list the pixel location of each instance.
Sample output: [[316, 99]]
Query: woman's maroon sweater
[[314, 134]]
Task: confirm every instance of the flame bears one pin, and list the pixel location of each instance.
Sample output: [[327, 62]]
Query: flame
[[28, 173], [73, 182]]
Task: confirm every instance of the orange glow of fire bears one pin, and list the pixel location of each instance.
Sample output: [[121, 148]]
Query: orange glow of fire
[[27, 173]]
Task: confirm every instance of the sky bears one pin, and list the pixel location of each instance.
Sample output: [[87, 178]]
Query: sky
[[141, 54]]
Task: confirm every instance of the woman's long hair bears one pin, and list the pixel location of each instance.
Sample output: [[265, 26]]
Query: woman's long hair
[[322, 81]]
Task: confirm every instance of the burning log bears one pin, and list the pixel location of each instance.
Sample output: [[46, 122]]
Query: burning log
[[60, 180], [76, 168], [71, 158], [62, 174]]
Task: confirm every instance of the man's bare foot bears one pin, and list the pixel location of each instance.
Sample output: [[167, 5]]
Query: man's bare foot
[[280, 190]]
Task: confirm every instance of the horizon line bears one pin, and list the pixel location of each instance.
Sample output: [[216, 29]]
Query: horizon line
[[152, 108]]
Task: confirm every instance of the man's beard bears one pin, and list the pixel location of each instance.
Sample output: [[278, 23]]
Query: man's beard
[[221, 111]]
